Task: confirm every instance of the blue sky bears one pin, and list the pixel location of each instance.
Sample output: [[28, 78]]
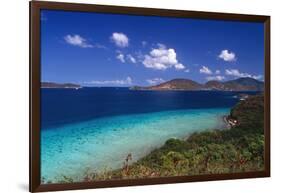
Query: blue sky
[[121, 50]]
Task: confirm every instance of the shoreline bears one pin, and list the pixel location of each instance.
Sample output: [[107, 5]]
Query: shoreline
[[220, 125], [225, 125]]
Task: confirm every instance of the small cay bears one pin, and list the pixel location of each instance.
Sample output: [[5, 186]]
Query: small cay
[[59, 85]]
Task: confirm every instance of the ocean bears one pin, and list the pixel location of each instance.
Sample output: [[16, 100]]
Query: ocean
[[94, 129]]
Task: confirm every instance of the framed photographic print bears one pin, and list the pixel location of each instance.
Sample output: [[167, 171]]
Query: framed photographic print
[[123, 96]]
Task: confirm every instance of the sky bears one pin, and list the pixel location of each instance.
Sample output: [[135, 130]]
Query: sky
[[94, 49]]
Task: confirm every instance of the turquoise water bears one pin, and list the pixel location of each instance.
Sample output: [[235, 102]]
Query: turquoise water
[[103, 143]]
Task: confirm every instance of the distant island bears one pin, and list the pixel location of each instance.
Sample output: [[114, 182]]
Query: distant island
[[240, 84], [59, 85]]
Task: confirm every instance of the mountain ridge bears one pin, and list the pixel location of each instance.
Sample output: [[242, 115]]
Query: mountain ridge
[[240, 84]]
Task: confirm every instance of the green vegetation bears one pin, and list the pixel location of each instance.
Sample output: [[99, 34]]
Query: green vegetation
[[238, 149]]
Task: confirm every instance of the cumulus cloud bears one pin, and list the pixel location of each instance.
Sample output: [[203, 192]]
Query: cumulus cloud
[[179, 66], [218, 77], [77, 40], [120, 39], [121, 57], [237, 73], [131, 58], [187, 70], [218, 72], [205, 70], [155, 80], [125, 58], [258, 77], [227, 56], [162, 58], [127, 81]]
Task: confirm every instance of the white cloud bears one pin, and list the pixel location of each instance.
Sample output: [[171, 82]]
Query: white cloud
[[205, 70], [127, 81], [120, 39], [155, 80], [179, 66], [258, 77], [187, 70], [237, 73], [131, 58], [121, 57], [125, 58], [227, 56], [162, 58], [218, 77], [77, 40], [218, 72]]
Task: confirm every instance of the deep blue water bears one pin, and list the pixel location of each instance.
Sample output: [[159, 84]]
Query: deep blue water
[[94, 129], [61, 106]]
